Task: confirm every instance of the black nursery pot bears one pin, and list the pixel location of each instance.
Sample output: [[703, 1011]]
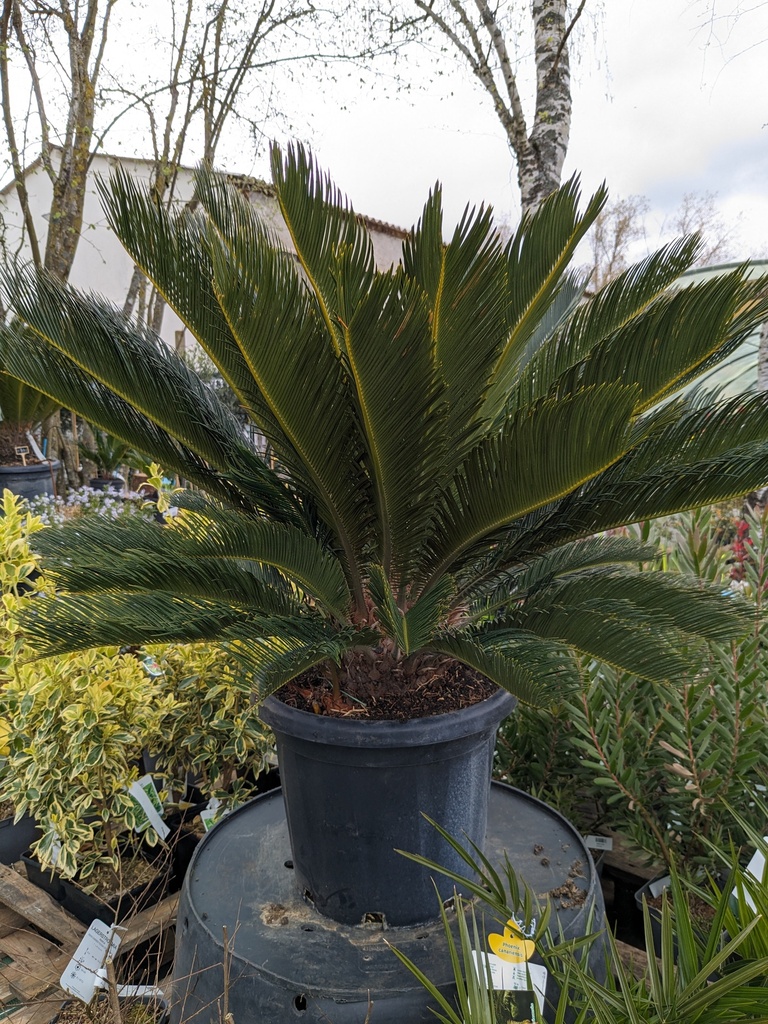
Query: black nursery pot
[[47, 880], [107, 483], [355, 792], [16, 837], [29, 481], [87, 907]]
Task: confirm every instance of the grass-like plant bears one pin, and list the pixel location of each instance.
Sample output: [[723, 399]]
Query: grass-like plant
[[108, 454], [699, 978], [22, 410]]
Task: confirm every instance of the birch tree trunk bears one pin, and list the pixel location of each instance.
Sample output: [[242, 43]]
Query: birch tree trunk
[[81, 30], [480, 34], [541, 155], [762, 359]]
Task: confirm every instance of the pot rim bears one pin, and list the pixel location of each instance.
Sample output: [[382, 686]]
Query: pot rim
[[30, 467], [349, 732]]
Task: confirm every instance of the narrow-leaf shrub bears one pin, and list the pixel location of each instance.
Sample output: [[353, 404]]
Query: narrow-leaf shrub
[[663, 762]]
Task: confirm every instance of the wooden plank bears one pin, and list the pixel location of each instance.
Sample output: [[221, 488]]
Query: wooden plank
[[624, 861], [150, 922], [9, 1010], [37, 963], [39, 908], [634, 960], [39, 1012], [10, 921]]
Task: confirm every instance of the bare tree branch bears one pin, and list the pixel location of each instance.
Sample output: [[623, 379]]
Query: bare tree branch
[[18, 171]]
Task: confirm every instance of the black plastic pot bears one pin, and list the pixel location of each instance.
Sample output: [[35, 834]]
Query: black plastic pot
[[29, 481], [47, 880], [87, 907], [182, 840], [107, 483], [644, 893], [356, 792], [288, 963], [16, 837]]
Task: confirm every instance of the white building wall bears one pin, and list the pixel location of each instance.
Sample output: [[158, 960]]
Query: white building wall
[[101, 264]]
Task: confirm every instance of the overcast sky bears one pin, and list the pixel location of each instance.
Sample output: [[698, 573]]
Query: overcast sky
[[663, 105]]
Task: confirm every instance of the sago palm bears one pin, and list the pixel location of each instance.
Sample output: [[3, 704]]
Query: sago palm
[[22, 410], [449, 442]]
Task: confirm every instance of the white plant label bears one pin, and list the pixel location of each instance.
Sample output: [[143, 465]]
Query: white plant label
[[756, 868], [657, 888], [512, 977], [81, 976], [598, 842], [144, 794], [55, 849], [212, 816]]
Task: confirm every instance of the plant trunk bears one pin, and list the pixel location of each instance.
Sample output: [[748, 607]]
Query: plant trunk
[[88, 468], [61, 448]]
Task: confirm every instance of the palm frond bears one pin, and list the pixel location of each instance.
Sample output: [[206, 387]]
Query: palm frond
[[330, 241], [220, 535], [538, 258], [647, 623], [105, 355], [43, 366], [499, 585], [181, 256], [465, 285], [288, 353], [565, 302], [411, 629], [750, 315], [534, 670], [173, 253], [606, 314], [404, 422], [197, 556], [19, 403], [543, 453], [79, 621], [75, 622], [676, 338], [706, 454]]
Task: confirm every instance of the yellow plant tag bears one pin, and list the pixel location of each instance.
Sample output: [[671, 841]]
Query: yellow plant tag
[[511, 945]]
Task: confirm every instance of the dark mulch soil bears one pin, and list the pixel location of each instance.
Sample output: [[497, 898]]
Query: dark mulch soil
[[701, 912], [100, 1012], [8, 446], [103, 882], [432, 687]]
